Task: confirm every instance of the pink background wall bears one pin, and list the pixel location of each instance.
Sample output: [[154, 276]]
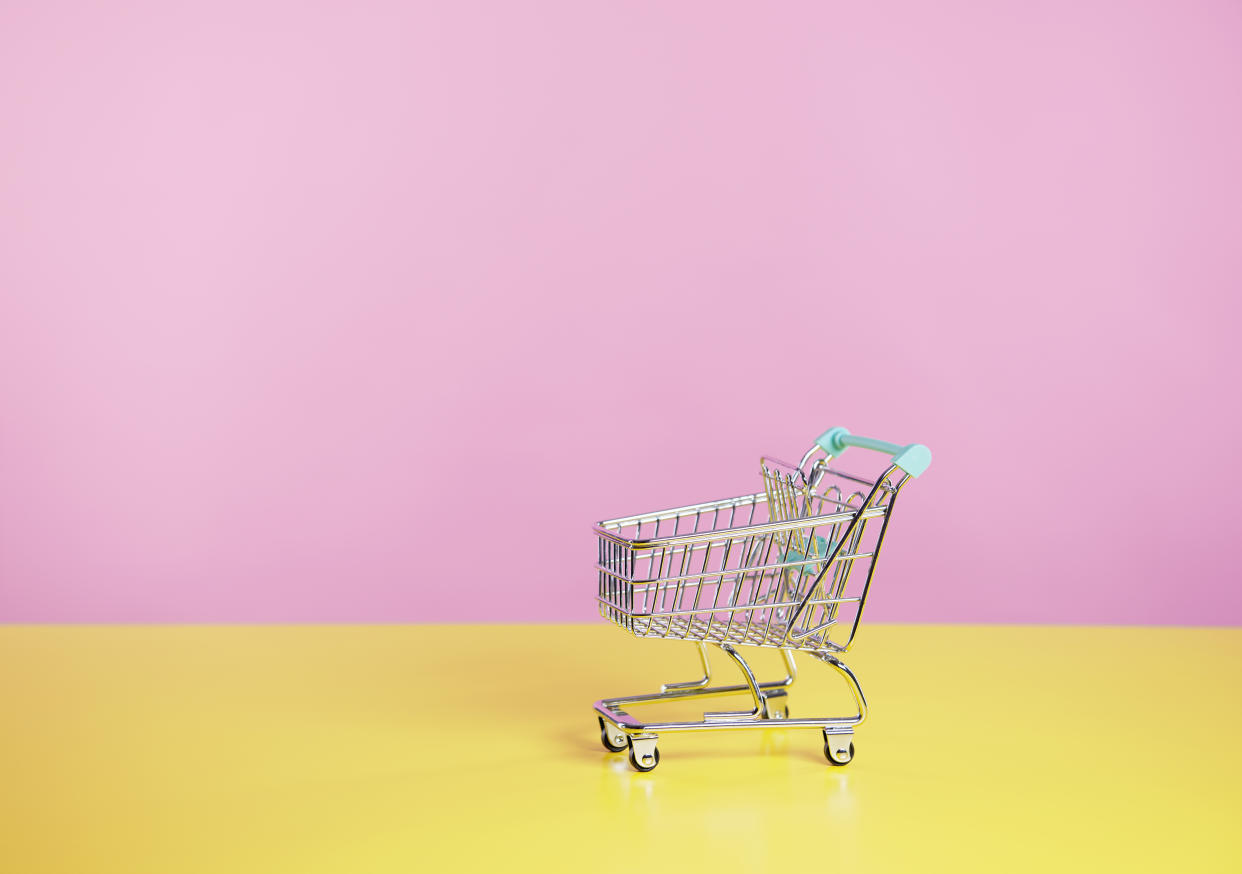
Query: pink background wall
[[366, 310]]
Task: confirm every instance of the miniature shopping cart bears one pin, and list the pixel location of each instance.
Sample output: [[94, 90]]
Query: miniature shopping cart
[[787, 568]]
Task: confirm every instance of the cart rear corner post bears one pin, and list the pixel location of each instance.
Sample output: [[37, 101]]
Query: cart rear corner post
[[787, 568]]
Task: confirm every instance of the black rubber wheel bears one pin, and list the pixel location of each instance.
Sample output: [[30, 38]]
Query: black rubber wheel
[[834, 762], [643, 768], [608, 744]]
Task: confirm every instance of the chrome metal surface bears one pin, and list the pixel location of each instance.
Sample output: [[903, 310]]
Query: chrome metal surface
[[614, 738], [839, 746], [694, 684], [643, 755], [787, 568]]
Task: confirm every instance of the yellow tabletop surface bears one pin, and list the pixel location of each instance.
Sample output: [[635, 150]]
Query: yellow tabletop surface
[[429, 748]]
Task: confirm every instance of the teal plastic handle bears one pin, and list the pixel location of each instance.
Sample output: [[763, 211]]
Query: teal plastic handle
[[913, 458]]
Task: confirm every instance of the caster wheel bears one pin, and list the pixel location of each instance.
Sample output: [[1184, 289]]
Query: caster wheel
[[648, 766], [608, 741], [835, 758]]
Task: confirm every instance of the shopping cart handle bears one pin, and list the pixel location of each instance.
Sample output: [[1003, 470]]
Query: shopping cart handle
[[913, 459]]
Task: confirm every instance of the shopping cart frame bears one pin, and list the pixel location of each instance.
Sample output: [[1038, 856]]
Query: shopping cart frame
[[621, 731]]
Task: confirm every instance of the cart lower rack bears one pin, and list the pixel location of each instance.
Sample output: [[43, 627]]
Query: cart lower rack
[[788, 568]]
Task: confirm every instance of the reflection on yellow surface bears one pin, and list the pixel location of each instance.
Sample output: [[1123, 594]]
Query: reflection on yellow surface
[[426, 748]]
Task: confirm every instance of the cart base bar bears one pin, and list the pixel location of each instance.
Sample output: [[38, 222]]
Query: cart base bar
[[621, 731]]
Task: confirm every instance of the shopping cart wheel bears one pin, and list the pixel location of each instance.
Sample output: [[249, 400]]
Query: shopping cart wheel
[[643, 753], [838, 756], [651, 767], [613, 738]]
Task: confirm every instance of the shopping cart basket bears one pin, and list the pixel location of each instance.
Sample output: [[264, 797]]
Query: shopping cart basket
[[787, 568]]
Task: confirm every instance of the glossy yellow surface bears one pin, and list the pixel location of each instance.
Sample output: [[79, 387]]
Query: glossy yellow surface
[[430, 748]]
